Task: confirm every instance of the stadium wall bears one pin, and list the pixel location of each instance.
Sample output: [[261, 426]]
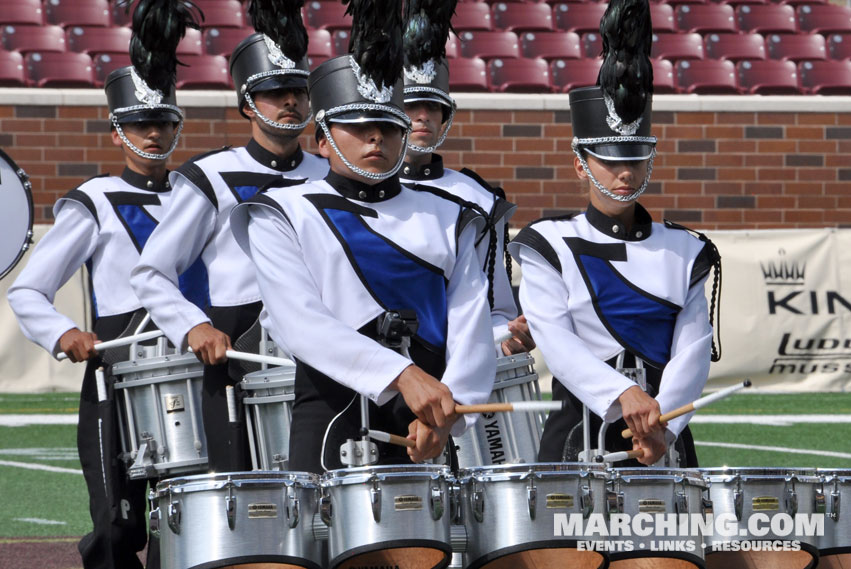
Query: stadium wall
[[746, 162]]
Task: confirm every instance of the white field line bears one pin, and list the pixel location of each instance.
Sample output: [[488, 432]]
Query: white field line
[[775, 420], [24, 420], [829, 453], [42, 467], [40, 521]]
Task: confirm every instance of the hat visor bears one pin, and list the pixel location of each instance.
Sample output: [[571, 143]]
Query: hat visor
[[289, 81], [434, 97], [355, 117], [620, 152], [150, 115]]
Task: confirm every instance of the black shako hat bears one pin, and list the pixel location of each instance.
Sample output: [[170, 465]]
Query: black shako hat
[[597, 133], [130, 99]]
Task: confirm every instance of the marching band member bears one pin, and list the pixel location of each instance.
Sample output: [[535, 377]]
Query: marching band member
[[270, 71], [611, 283], [334, 256], [104, 224], [431, 110]]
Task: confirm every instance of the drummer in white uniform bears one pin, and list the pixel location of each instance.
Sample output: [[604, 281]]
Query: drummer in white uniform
[[103, 224], [338, 258], [270, 71]]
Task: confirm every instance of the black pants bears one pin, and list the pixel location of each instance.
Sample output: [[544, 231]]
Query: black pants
[[116, 504], [227, 443]]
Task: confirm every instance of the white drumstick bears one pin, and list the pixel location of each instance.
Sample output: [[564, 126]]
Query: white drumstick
[[619, 456], [231, 403], [516, 407], [117, 343], [257, 358], [101, 384], [392, 439]]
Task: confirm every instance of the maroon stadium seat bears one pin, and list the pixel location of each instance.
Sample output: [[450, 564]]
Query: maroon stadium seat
[[191, 44], [489, 45], [468, 74], [222, 41], [771, 18], [796, 47], [59, 69], [735, 47], [12, 69], [568, 74], [203, 72], [21, 12], [826, 77], [87, 39], [796, 3], [472, 16], [222, 14], [663, 77], [121, 15], [707, 76], [824, 18], [736, 3], [705, 18], [839, 46], [78, 12], [662, 17], [453, 46], [522, 75], [34, 38], [677, 46], [327, 15], [768, 77], [551, 45], [319, 43], [106, 63], [592, 44], [340, 41], [579, 18], [523, 17]]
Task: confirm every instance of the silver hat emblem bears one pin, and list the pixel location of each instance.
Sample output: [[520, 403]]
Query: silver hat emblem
[[422, 75], [144, 94], [616, 123], [276, 56], [367, 87]]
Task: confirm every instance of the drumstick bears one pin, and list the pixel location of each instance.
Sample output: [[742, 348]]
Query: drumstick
[[696, 404], [516, 407], [619, 456], [256, 358], [392, 439], [117, 343], [231, 399]]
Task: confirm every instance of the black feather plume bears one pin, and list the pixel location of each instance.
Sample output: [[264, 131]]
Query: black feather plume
[[626, 75], [376, 41], [158, 26], [427, 25], [281, 21]]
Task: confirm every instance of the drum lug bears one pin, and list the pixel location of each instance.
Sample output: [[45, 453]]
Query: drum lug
[[706, 505], [455, 504], [532, 497], [614, 502], [586, 501], [436, 502], [326, 512], [230, 505], [375, 499], [477, 503], [174, 516], [738, 503], [834, 510], [681, 503], [820, 505], [292, 507], [791, 501]]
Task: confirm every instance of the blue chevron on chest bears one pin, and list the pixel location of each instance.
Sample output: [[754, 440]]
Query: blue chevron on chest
[[396, 278], [244, 185], [640, 321]]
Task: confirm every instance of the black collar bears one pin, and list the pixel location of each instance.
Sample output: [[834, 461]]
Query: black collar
[[143, 182], [431, 171], [610, 226], [355, 190], [272, 160]]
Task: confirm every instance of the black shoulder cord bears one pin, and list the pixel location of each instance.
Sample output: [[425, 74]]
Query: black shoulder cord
[[491, 255], [715, 303], [507, 254]]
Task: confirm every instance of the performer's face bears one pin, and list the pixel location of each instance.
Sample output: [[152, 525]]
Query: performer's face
[[285, 106], [622, 178], [154, 137], [371, 146], [426, 120]]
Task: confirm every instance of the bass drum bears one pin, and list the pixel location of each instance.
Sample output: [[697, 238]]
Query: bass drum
[[16, 213]]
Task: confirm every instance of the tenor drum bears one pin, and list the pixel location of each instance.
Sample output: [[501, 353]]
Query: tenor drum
[[232, 519], [159, 403], [16, 213], [654, 501], [768, 511], [388, 516], [505, 438], [835, 545], [268, 402], [520, 516]]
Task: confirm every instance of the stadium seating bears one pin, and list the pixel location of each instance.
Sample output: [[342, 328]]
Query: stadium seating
[[472, 16], [339, 42], [523, 17], [521, 75], [87, 39], [677, 46], [768, 77], [121, 14], [579, 18], [33, 38], [705, 18], [468, 74], [489, 45], [592, 43], [78, 12], [453, 46], [222, 14], [735, 47], [824, 18], [327, 15], [191, 44], [203, 72], [839, 46], [319, 43], [106, 63], [662, 17], [707, 76], [567, 74], [770, 18], [826, 77], [663, 77], [796, 47], [551, 45], [59, 69], [12, 69], [222, 41], [21, 12]]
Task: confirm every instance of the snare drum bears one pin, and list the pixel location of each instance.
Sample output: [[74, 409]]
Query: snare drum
[[835, 545], [766, 500], [505, 438], [16, 213], [268, 402], [159, 405], [519, 516], [387, 516], [219, 520], [660, 496]]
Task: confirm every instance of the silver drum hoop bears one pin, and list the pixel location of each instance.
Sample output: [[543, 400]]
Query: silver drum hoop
[[16, 213]]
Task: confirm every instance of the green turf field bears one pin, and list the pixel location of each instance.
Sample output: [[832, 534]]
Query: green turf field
[[44, 494]]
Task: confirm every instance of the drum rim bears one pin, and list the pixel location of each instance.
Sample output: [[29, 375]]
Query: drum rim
[[504, 470], [30, 212], [767, 471], [360, 474], [647, 473], [288, 371], [218, 480], [156, 362]]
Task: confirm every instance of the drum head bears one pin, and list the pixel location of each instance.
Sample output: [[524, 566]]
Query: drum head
[[16, 214]]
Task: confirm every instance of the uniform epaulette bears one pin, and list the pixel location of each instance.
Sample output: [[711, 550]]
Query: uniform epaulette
[[537, 242], [203, 155], [192, 172], [562, 217], [83, 198], [281, 183], [498, 192]]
